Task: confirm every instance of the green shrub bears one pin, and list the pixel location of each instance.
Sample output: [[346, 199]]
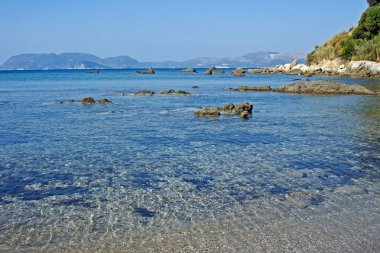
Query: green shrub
[[367, 50], [348, 48], [369, 24]]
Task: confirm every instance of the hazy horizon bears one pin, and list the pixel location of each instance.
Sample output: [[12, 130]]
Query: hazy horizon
[[169, 30]]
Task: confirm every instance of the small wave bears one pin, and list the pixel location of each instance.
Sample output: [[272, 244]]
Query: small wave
[[188, 109]]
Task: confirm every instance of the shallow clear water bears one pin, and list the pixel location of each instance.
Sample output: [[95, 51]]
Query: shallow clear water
[[74, 176]]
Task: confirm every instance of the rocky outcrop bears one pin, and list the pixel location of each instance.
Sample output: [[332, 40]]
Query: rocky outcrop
[[327, 67], [208, 112], [151, 93], [91, 101], [244, 110], [176, 93], [363, 68], [190, 70], [252, 88], [144, 93], [238, 72], [312, 87], [195, 87], [104, 101], [218, 72], [324, 87], [88, 101], [244, 107], [209, 71], [148, 71]]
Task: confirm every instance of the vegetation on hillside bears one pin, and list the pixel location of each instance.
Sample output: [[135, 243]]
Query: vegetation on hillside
[[359, 43], [373, 2]]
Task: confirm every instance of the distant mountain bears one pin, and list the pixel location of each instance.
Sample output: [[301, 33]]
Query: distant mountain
[[89, 61]]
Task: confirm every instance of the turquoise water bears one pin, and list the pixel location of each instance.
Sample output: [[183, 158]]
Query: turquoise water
[[75, 175]]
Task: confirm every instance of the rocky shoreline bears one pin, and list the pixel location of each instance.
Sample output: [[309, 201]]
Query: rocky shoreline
[[244, 110], [313, 87], [328, 67]]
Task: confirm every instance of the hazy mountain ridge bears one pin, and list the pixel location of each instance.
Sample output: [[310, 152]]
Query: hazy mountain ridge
[[89, 61]]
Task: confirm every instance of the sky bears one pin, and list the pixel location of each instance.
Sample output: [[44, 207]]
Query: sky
[[158, 30]]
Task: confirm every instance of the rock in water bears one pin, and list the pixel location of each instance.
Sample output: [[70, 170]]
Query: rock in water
[[219, 72], [244, 115], [191, 70], [88, 101], [207, 112], [148, 71], [251, 88], [293, 64], [324, 87], [104, 101], [229, 108], [209, 71], [238, 72], [244, 110], [244, 107], [177, 93], [144, 93]]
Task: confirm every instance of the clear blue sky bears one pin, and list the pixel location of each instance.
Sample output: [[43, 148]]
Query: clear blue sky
[[171, 29]]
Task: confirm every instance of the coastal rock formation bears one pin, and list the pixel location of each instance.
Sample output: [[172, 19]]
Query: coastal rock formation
[[104, 101], [88, 101], [250, 88], [177, 93], [209, 71], [238, 72], [148, 71], [219, 72], [244, 107], [144, 93], [324, 87], [364, 68], [229, 108], [70, 101], [327, 67], [91, 101], [191, 70], [244, 110], [207, 112], [167, 92], [312, 87]]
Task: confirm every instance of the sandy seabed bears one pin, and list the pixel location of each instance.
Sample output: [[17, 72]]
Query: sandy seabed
[[349, 221]]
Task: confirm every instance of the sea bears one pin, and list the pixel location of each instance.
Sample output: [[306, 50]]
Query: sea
[[143, 174]]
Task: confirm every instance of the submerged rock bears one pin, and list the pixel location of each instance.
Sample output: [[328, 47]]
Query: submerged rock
[[70, 101], [195, 87], [148, 71], [104, 101], [191, 70], [324, 87], [252, 88], [144, 93], [88, 101], [177, 93]]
